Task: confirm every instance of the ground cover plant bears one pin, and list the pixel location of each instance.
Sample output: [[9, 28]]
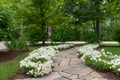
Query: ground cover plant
[[103, 59], [39, 62]]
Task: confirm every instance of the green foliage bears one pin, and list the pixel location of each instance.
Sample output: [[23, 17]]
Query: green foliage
[[84, 10], [35, 35], [117, 34], [42, 60], [90, 37], [114, 51], [116, 70], [10, 68], [9, 34], [62, 34], [5, 17], [27, 69], [100, 63], [88, 60], [1, 34], [16, 44]]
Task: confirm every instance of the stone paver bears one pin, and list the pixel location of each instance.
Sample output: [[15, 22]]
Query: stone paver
[[67, 66]]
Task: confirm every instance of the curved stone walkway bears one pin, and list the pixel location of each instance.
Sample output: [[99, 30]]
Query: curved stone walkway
[[67, 66]]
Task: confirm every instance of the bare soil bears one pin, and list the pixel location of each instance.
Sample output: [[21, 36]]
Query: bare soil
[[9, 55], [107, 75]]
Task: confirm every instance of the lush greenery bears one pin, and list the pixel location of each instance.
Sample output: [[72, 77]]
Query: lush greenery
[[74, 20], [115, 51], [103, 60], [17, 44], [116, 35], [24, 22], [34, 35], [9, 68], [40, 61]]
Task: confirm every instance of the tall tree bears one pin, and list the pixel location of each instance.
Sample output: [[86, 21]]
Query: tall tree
[[46, 13], [83, 11]]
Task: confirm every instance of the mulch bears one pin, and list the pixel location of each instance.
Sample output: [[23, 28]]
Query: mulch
[[107, 75], [9, 55], [19, 75]]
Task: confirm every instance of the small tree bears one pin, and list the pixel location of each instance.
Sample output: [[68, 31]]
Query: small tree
[[5, 21], [5, 17]]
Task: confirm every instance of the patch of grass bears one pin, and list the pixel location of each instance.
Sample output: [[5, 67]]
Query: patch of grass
[[8, 69], [108, 45], [33, 47], [115, 51]]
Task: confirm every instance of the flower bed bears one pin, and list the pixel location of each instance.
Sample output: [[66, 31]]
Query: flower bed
[[102, 60], [40, 61]]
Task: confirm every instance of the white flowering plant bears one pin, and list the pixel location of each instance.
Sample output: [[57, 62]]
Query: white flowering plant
[[102, 60], [99, 61], [87, 49], [115, 65], [40, 61]]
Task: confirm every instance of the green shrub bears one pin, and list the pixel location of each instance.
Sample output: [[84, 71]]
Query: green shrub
[[116, 35], [5, 17], [90, 37], [102, 65], [116, 70], [34, 35], [100, 62], [1, 34], [16, 44], [62, 34], [88, 60]]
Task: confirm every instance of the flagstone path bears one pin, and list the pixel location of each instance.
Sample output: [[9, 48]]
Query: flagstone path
[[67, 66]]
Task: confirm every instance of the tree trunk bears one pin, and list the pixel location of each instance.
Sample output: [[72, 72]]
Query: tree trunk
[[43, 25], [43, 34], [98, 29]]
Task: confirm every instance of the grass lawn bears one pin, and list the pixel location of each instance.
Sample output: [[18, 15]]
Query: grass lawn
[[115, 51], [109, 45], [114, 48], [9, 68]]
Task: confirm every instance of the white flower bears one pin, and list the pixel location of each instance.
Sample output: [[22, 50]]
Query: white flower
[[39, 62], [119, 69], [102, 50]]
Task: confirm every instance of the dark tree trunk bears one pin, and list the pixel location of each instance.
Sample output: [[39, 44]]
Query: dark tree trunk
[[98, 29], [43, 34], [43, 26]]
